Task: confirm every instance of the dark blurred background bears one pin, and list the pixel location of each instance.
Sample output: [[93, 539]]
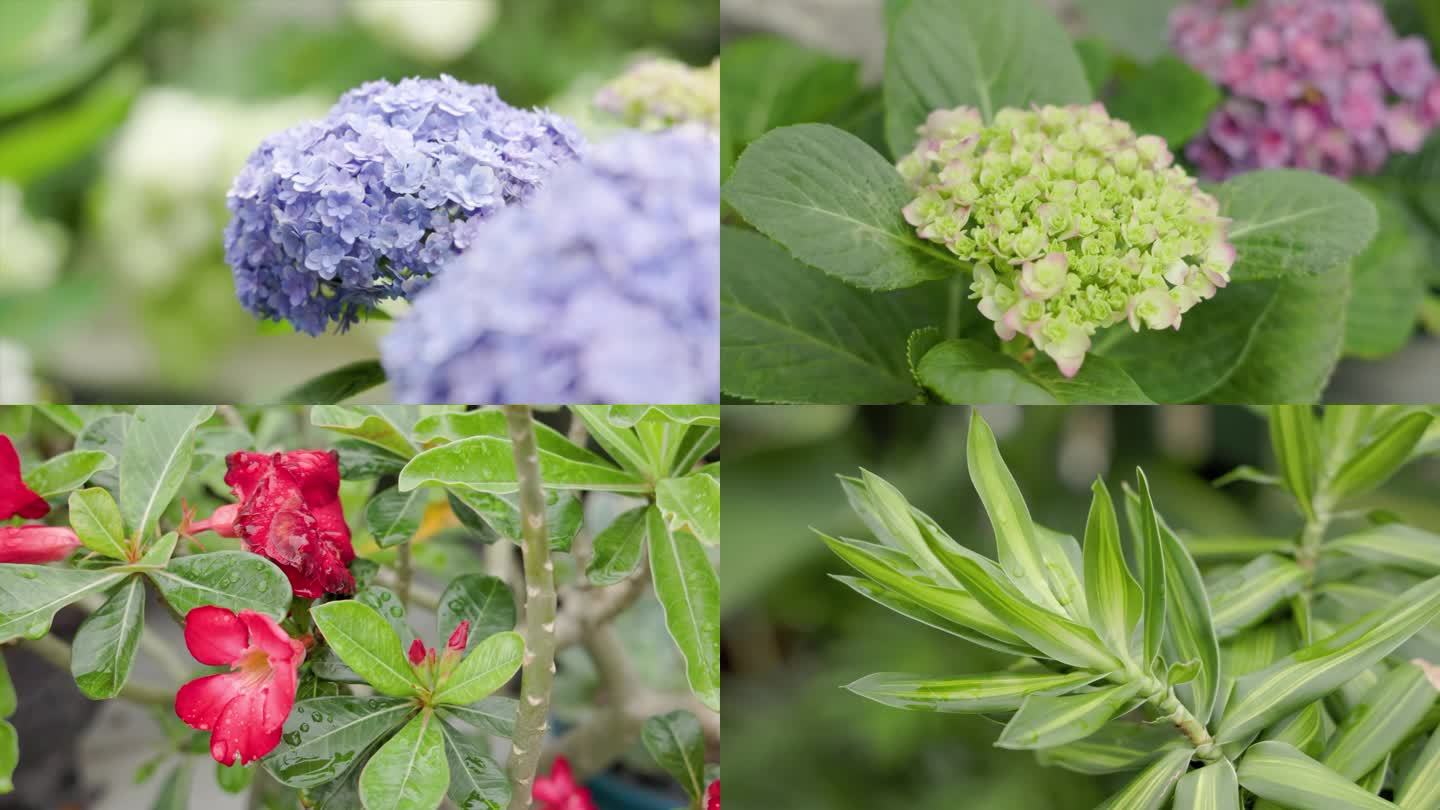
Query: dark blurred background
[[123, 122], [794, 637]]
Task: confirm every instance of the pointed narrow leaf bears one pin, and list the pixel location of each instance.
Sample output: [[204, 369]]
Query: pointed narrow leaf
[[1213, 787], [104, 646], [911, 609], [1065, 566], [676, 743], [894, 512], [410, 771], [691, 504], [618, 549], [1111, 593], [1118, 747], [1044, 721], [1420, 786], [1296, 443], [492, 663], [1278, 772], [1152, 787], [1153, 584], [1247, 596], [368, 645], [991, 692], [67, 471], [159, 445], [477, 782], [487, 464], [97, 522], [30, 595], [1377, 461], [1394, 545], [9, 755], [1190, 635], [483, 600], [621, 443], [1312, 672], [1306, 729], [1389, 713], [1015, 533], [324, 736], [689, 592], [238, 580]]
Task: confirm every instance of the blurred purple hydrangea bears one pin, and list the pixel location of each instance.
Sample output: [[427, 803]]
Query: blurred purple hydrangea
[[1314, 84], [331, 217], [604, 288]]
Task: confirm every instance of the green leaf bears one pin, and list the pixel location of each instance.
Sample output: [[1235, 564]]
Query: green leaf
[[338, 385], [1152, 787], [362, 460], [104, 646], [1245, 597], [923, 613], [626, 416], [678, 746], [47, 141], [368, 645], [454, 425], [1213, 787], [159, 444], [66, 471], [1374, 463], [768, 82], [1154, 567], [97, 522], [30, 595], [689, 592], [477, 782], [835, 204], [492, 663], [618, 549], [885, 504], [1288, 222], [175, 790], [948, 53], [791, 334], [9, 755], [160, 551], [1044, 721], [234, 778], [324, 736], [691, 504], [410, 771], [1167, 98], [8, 700], [1393, 545], [1388, 285], [499, 515], [1278, 772], [494, 715], [1265, 696], [967, 371], [1191, 634], [393, 517], [238, 580], [1384, 719], [1015, 533], [487, 464], [1113, 596], [972, 694], [385, 426], [483, 600], [623, 445], [1295, 440], [1118, 747], [1419, 787]]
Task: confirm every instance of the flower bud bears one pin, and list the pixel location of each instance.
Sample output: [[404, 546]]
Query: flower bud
[[417, 652], [460, 638], [36, 544]]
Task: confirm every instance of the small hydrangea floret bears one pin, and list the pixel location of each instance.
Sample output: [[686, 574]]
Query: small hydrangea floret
[[661, 93], [1071, 223], [1313, 84], [605, 288], [331, 217]]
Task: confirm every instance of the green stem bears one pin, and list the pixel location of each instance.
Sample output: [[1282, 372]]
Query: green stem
[[537, 676], [1162, 700]]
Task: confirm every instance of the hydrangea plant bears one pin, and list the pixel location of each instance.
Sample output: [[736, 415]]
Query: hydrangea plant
[[661, 93], [983, 230], [308, 676], [1288, 672]]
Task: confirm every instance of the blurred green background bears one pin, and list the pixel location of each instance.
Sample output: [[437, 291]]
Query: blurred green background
[[793, 636], [122, 123]]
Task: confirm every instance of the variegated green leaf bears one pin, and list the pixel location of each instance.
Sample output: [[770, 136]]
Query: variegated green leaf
[[1386, 717], [1045, 721], [1213, 787], [1420, 785], [990, 692], [1190, 635], [1278, 772], [1377, 461], [1153, 567], [1152, 787], [1112, 595], [1394, 545], [1295, 441], [913, 610], [1251, 593]]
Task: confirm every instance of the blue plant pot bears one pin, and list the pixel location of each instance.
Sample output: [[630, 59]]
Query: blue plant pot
[[612, 793]]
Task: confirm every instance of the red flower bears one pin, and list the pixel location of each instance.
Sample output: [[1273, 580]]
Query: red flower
[[290, 512], [559, 790], [244, 709], [712, 796], [15, 497], [459, 638], [36, 544], [417, 652]]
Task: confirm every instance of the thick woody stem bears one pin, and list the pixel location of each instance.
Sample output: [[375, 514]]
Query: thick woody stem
[[537, 676]]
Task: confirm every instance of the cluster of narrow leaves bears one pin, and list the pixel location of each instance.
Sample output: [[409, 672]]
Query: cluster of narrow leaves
[[817, 186], [1290, 673]]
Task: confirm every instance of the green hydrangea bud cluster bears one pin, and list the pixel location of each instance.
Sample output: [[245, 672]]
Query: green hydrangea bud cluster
[[1072, 223], [661, 93]]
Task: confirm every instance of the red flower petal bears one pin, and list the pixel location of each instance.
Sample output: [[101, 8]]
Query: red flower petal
[[284, 652], [460, 637], [712, 796], [36, 544], [242, 730], [215, 636], [15, 497], [200, 702], [417, 652]]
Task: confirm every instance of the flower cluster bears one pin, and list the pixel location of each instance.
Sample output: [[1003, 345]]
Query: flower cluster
[[30, 543], [331, 217], [1314, 84], [34, 248], [661, 93], [1073, 224], [604, 288]]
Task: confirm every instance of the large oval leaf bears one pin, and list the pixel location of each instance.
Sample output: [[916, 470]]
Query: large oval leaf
[[66, 471], [486, 668], [410, 771], [368, 645], [618, 548], [1291, 222], [477, 782], [324, 737], [484, 601], [487, 464], [159, 444], [97, 522], [104, 646], [677, 744], [237, 580], [30, 595]]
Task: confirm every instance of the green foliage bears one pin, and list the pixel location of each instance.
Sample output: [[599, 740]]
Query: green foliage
[[1167, 98], [1249, 698], [675, 741]]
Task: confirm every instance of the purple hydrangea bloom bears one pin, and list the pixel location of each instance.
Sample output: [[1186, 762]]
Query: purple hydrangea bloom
[[1314, 84], [604, 288], [333, 216]]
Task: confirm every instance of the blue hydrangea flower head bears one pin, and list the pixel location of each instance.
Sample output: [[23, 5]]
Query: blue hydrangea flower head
[[604, 288], [333, 216]]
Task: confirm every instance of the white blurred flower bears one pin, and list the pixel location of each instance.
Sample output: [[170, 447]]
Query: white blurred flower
[[17, 385], [31, 250], [432, 30]]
